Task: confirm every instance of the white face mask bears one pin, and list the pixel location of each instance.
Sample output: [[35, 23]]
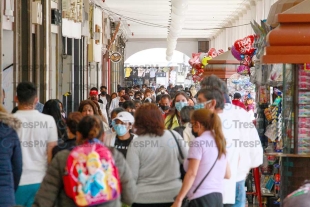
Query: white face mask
[[63, 114]]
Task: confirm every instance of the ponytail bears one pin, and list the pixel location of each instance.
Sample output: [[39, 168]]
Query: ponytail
[[218, 134], [212, 122]]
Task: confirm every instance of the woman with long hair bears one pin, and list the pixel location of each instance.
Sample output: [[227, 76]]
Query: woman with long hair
[[154, 159], [52, 188], [173, 120], [206, 163], [89, 107], [52, 108]]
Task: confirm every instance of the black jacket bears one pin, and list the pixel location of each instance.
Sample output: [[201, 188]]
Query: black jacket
[[11, 159]]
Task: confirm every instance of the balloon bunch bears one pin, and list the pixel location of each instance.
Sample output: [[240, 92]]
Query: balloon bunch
[[199, 61], [243, 50]]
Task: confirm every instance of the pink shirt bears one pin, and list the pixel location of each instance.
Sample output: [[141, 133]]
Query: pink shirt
[[204, 148]]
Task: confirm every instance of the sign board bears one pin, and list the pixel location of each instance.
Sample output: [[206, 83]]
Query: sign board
[[116, 57]]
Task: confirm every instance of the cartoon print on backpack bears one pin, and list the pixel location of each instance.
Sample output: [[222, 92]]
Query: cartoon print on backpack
[[93, 182], [91, 176]]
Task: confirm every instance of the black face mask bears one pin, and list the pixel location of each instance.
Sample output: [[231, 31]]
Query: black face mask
[[164, 108], [195, 133], [103, 93], [120, 104]]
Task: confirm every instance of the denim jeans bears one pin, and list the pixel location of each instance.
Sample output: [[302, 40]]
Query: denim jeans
[[240, 194]]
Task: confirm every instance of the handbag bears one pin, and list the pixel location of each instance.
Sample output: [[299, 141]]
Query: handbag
[[185, 202]]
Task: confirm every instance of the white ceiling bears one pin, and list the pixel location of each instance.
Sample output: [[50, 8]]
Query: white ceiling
[[201, 14]]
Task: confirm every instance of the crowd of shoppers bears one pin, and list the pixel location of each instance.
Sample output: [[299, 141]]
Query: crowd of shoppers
[[152, 135]]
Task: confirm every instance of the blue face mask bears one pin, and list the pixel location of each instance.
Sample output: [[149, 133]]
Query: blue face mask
[[199, 106], [180, 105], [120, 129]]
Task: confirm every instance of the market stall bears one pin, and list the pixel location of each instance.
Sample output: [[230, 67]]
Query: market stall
[[289, 51]]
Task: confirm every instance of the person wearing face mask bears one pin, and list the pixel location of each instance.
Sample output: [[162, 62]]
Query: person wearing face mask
[[131, 95], [173, 120], [121, 124], [123, 99], [94, 96], [138, 96], [164, 105], [105, 97], [207, 161]]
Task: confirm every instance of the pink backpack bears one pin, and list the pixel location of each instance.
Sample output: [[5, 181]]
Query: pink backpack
[[91, 177]]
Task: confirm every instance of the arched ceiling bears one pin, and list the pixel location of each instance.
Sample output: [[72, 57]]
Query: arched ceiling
[[209, 14]]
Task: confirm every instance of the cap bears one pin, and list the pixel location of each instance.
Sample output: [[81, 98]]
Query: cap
[[125, 117], [300, 197]]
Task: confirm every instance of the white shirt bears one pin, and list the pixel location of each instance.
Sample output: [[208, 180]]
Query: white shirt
[[251, 150], [36, 132], [153, 72], [114, 104], [140, 72], [232, 137]]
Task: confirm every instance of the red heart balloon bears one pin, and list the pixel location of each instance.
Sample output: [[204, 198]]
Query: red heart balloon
[[245, 45]]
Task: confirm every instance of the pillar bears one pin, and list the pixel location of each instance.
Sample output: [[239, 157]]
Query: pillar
[[259, 11]]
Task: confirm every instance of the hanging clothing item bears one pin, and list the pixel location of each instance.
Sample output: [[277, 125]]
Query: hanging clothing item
[[153, 72], [140, 72], [127, 72]]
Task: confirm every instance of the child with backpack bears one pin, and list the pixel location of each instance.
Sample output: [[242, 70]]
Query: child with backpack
[[90, 174]]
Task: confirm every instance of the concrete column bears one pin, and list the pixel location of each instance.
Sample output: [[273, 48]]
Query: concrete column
[[259, 11], [17, 69], [26, 40], [46, 5]]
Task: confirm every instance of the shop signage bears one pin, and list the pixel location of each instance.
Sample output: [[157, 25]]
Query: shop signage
[[115, 57]]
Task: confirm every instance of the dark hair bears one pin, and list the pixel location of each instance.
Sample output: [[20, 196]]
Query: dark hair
[[186, 113], [120, 89], [137, 102], [128, 104], [94, 89], [173, 112], [73, 120], [91, 103], [213, 81], [149, 120], [103, 87], [14, 110], [117, 110], [211, 122], [137, 93], [90, 127], [113, 94], [51, 107], [213, 93], [60, 103], [158, 98], [26, 93], [237, 96], [165, 96], [126, 97]]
